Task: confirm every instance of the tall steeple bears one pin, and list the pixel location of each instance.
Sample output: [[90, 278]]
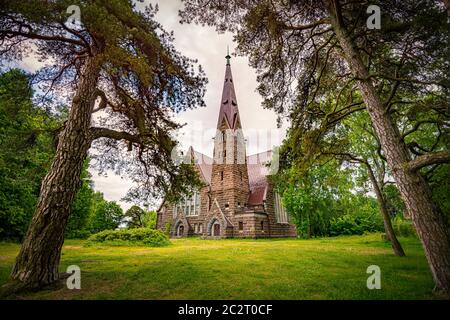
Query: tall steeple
[[229, 112], [229, 178]]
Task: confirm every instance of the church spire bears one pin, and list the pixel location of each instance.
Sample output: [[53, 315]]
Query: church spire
[[229, 112], [228, 57]]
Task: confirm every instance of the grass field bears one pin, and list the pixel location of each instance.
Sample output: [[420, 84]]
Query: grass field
[[329, 268]]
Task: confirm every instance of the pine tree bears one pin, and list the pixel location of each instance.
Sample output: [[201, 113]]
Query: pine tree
[[118, 61]]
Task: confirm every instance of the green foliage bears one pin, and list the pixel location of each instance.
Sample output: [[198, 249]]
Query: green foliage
[[136, 217], [107, 215], [26, 149], [150, 219], [321, 204], [403, 227], [148, 237], [356, 224], [27, 136], [81, 208], [440, 187], [345, 225], [308, 200], [394, 203]]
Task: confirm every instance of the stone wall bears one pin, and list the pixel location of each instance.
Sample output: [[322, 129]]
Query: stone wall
[[259, 221]]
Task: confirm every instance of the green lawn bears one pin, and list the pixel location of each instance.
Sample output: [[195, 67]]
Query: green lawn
[[329, 268]]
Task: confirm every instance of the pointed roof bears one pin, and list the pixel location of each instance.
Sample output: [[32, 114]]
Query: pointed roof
[[203, 162], [229, 111]]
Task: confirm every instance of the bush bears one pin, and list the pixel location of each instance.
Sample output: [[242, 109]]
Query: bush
[[149, 237], [345, 225], [355, 225], [78, 234], [403, 228]]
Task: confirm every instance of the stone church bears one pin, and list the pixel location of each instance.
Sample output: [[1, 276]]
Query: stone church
[[238, 199]]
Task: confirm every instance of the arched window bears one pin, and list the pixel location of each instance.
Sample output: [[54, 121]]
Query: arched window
[[190, 206]]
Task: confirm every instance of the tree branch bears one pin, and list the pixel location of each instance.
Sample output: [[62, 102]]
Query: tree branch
[[104, 102], [97, 132], [416, 127], [429, 159], [11, 34]]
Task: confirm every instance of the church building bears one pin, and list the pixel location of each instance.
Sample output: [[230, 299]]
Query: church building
[[238, 199]]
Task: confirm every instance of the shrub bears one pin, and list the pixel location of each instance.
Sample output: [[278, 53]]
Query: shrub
[[355, 224], [78, 234], [345, 225], [149, 237], [403, 228]]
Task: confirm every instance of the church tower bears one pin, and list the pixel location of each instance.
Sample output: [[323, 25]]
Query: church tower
[[229, 179]]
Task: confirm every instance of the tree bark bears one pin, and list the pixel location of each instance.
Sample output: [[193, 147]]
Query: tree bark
[[396, 246], [429, 159], [37, 264], [413, 188]]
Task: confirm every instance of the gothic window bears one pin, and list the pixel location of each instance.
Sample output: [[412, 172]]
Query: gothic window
[[175, 207], [280, 212], [200, 228], [241, 225], [189, 205], [197, 202]]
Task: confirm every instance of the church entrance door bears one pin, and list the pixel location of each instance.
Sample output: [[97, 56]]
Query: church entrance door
[[216, 230], [180, 230]]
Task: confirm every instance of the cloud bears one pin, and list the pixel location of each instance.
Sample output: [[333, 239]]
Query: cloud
[[113, 187]]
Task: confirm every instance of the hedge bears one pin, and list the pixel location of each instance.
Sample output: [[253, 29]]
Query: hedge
[[149, 237]]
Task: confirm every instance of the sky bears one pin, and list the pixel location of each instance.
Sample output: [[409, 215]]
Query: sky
[[210, 49]]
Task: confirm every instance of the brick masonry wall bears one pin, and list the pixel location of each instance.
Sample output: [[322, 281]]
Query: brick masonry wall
[[251, 220]]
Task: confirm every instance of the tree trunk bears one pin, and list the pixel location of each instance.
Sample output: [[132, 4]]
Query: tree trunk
[[414, 190], [396, 246], [38, 261]]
